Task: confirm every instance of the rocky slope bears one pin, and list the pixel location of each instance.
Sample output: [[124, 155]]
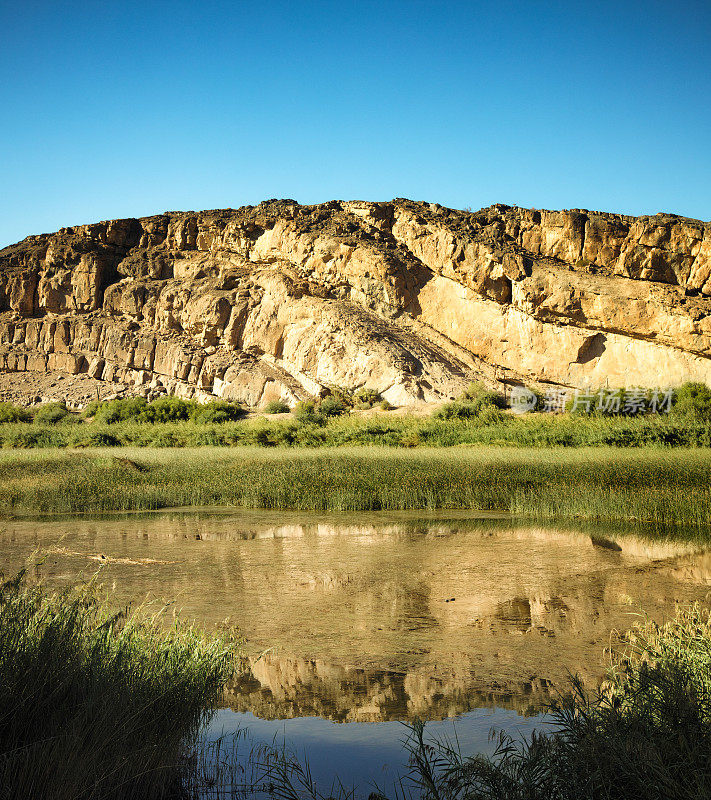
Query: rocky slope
[[412, 299]]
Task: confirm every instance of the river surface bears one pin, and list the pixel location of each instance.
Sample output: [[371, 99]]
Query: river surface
[[355, 623]]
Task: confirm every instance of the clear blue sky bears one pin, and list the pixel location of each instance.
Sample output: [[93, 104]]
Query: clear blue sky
[[115, 109]]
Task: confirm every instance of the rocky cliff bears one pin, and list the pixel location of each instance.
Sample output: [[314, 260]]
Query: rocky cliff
[[415, 300]]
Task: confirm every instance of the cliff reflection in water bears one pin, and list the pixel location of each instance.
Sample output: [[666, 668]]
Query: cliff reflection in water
[[383, 616], [274, 687]]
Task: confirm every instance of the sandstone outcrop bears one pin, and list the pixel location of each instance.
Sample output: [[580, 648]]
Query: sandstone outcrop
[[415, 300]]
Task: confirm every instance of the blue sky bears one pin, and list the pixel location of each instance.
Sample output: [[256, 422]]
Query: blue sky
[[127, 109]]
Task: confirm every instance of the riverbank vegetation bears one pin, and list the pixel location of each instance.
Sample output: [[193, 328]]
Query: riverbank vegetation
[[477, 418], [491, 427], [96, 703], [650, 488]]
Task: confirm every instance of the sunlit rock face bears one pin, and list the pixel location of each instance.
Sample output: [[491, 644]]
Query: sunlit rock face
[[412, 299]]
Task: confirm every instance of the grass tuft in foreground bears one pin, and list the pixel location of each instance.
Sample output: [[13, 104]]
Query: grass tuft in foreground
[[96, 703]]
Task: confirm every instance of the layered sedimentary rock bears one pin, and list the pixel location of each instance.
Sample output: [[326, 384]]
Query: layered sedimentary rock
[[414, 300]]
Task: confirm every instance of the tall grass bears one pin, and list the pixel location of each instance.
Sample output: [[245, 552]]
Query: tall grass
[[650, 488], [96, 703]]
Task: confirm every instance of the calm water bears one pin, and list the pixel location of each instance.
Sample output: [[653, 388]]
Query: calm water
[[357, 622]]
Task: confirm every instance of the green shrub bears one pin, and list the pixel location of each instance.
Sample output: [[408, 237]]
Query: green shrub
[[457, 409], [218, 411], [168, 438], [276, 407], [307, 413], [693, 400], [93, 438], [118, 410], [385, 405], [635, 402], [209, 436], [458, 423], [343, 396], [540, 398], [488, 415], [473, 390], [133, 408], [167, 409], [36, 437], [12, 413], [366, 398], [91, 409], [309, 434], [601, 402], [332, 406], [163, 410], [489, 400], [284, 433], [471, 403], [480, 396], [51, 413], [264, 437]]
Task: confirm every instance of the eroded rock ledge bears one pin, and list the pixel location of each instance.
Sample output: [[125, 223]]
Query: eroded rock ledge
[[415, 300]]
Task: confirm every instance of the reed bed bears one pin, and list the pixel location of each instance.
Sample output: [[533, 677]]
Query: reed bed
[[646, 487], [96, 703]]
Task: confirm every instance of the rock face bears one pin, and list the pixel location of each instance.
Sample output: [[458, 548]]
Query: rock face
[[415, 300]]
